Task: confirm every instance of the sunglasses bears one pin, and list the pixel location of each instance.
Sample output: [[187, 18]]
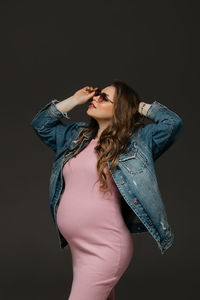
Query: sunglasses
[[103, 97]]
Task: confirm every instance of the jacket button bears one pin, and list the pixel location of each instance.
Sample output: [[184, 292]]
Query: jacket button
[[135, 202], [150, 223], [122, 182]]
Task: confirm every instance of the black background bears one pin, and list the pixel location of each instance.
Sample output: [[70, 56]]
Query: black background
[[49, 50]]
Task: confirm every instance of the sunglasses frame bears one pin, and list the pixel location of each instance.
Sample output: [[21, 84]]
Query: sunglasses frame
[[103, 96]]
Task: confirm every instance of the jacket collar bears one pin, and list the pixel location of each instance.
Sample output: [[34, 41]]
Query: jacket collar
[[93, 133]]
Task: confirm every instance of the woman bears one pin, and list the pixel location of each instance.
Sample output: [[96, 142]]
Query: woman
[[103, 185]]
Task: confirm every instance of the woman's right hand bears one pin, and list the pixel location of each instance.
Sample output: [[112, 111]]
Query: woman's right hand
[[83, 95]]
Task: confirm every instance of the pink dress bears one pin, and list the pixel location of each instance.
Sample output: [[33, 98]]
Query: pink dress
[[99, 240]]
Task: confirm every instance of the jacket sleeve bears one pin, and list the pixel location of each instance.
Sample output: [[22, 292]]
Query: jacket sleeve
[[48, 127], [166, 128]]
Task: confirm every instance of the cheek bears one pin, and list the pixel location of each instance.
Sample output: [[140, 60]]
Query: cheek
[[107, 110]]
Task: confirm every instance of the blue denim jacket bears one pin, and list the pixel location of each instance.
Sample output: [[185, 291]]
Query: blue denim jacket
[[142, 207]]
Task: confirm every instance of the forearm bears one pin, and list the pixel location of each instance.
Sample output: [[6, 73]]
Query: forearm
[[143, 108], [67, 104]]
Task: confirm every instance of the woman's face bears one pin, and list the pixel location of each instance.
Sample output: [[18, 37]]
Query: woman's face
[[104, 109]]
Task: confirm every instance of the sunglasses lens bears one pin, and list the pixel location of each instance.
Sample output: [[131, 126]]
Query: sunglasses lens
[[97, 92], [102, 96]]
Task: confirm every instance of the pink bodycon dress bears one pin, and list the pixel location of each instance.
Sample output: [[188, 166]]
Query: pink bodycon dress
[[101, 245]]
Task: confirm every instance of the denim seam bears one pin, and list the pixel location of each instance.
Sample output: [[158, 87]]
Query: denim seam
[[53, 115], [170, 129], [43, 126], [169, 134], [153, 110], [55, 112]]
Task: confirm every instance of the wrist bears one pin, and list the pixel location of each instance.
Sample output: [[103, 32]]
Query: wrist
[[143, 108]]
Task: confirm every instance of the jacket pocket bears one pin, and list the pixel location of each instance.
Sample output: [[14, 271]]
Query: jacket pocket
[[133, 160]]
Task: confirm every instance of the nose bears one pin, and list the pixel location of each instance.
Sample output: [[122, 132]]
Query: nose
[[95, 98]]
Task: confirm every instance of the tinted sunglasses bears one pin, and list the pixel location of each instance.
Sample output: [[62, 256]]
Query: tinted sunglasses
[[103, 96]]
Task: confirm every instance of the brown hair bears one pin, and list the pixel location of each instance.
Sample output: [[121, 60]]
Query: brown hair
[[114, 139]]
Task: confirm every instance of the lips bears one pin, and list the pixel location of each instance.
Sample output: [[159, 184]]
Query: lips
[[92, 104]]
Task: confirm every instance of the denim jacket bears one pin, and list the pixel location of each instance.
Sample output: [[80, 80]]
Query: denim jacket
[[142, 207]]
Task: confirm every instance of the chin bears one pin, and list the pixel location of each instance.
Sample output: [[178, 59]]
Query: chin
[[89, 110]]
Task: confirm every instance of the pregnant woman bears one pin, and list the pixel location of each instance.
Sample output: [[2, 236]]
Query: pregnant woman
[[98, 170], [100, 242]]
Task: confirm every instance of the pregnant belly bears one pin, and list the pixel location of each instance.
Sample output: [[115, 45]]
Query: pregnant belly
[[87, 217]]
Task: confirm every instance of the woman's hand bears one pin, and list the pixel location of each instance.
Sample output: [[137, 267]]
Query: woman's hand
[[83, 95]]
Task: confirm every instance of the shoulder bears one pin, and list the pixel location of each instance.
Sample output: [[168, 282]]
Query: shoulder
[[65, 133]]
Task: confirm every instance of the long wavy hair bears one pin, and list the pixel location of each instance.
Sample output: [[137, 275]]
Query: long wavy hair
[[114, 139]]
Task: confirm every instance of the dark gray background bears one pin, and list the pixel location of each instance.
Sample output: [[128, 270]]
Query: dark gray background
[[49, 50]]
